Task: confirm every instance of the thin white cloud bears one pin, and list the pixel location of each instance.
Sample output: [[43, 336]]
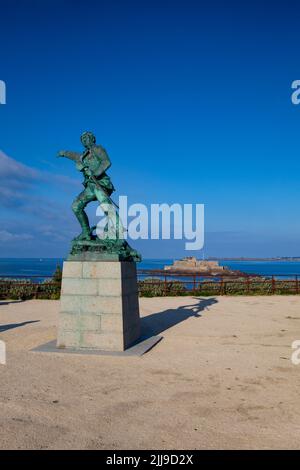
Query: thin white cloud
[[19, 182], [6, 236], [12, 168], [16, 173]]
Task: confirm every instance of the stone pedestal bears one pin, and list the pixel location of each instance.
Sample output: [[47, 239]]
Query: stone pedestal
[[99, 305]]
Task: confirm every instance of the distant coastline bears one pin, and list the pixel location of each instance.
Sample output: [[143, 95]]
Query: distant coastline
[[281, 258], [210, 258], [45, 267]]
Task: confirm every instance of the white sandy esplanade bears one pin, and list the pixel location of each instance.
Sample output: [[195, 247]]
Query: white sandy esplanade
[[221, 378]]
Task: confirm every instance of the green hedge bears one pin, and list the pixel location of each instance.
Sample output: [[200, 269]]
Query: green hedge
[[153, 287], [23, 289]]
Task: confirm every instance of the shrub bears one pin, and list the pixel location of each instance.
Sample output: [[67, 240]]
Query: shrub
[[154, 287], [25, 289]]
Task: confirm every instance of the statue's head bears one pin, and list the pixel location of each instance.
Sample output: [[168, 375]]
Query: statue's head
[[88, 139]]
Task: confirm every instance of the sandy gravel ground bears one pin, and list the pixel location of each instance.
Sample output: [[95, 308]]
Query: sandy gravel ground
[[221, 378]]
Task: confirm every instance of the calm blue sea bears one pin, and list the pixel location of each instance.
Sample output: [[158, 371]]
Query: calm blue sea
[[41, 267]]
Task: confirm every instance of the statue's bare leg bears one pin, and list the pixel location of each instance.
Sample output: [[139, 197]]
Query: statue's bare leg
[[78, 208]]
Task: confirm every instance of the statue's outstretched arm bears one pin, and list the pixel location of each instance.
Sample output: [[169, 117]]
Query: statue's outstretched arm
[[75, 156]]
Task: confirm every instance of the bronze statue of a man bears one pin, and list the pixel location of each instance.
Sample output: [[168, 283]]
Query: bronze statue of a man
[[93, 163]]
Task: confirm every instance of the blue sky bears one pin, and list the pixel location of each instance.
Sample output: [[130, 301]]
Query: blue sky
[[191, 100]]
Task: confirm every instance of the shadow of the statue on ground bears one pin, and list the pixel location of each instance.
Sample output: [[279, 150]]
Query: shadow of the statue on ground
[[7, 302], [156, 323], [11, 326]]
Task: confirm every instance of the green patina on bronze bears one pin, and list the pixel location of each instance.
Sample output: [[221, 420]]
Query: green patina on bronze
[[93, 163]]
